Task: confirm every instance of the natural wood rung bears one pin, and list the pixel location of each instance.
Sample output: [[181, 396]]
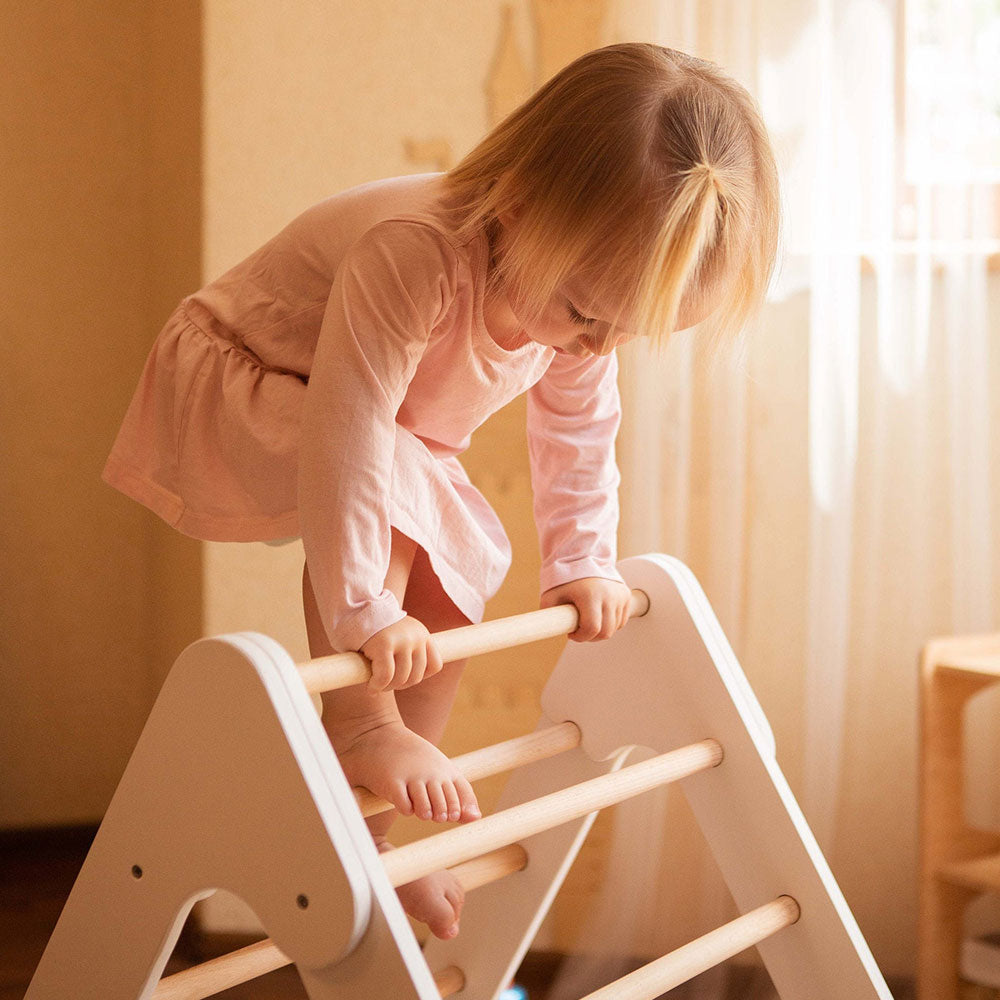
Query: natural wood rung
[[327, 673], [986, 665], [490, 867], [442, 850], [702, 954], [981, 874], [265, 956]]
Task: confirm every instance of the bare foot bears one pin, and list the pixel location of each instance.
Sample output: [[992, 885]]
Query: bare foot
[[435, 900], [407, 770]]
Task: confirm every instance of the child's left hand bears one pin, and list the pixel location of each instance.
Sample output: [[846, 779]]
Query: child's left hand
[[602, 604]]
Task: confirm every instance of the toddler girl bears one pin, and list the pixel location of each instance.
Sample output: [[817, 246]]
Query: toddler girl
[[326, 385]]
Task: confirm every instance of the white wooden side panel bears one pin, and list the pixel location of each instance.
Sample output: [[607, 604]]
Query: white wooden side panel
[[669, 679], [233, 785]]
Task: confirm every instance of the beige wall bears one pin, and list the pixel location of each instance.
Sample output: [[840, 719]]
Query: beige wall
[[99, 185]]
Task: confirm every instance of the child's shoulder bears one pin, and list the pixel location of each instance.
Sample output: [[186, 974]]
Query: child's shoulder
[[397, 222], [407, 208], [410, 235], [412, 259]]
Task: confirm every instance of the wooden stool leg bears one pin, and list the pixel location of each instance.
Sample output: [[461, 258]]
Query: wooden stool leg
[[945, 837], [940, 941]]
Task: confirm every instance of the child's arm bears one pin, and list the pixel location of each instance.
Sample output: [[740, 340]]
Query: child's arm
[[391, 289], [573, 416]]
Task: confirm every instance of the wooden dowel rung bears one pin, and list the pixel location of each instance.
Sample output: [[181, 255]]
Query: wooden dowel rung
[[327, 673], [702, 954], [449, 980], [495, 759], [218, 974], [265, 956], [442, 850], [490, 867]]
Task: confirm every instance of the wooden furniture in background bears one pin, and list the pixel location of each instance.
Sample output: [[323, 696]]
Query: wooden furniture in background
[[957, 862]]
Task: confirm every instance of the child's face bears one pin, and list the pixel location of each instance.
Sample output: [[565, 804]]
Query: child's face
[[571, 323]]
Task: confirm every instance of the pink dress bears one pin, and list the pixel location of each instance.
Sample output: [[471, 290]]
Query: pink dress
[[325, 387]]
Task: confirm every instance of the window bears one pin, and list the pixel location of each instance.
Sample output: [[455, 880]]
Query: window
[[948, 96], [952, 91]]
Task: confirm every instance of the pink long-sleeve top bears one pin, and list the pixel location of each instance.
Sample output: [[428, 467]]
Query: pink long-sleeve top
[[326, 385]]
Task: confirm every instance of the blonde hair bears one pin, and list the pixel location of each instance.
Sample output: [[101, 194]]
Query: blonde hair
[[648, 171]]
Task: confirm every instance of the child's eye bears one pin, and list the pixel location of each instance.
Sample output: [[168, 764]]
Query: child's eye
[[577, 318]]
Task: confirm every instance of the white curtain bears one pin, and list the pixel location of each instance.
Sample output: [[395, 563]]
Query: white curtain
[[835, 488]]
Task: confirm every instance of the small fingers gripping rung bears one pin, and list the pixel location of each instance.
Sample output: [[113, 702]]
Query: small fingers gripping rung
[[405, 864], [327, 673], [702, 954], [265, 956], [495, 759]]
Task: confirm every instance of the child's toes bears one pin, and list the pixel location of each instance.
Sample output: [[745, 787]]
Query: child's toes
[[443, 922], [421, 801], [435, 900], [453, 800], [439, 803], [467, 799], [455, 899], [444, 929], [400, 797], [455, 895]]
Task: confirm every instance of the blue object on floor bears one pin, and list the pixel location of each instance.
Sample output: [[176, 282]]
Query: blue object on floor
[[514, 992]]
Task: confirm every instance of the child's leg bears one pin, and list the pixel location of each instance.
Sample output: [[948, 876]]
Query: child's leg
[[425, 706], [376, 750], [375, 747], [438, 899]]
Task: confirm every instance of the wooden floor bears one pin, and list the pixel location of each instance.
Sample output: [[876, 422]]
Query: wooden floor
[[37, 871]]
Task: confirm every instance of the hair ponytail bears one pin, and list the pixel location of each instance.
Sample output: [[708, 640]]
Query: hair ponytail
[[690, 229]]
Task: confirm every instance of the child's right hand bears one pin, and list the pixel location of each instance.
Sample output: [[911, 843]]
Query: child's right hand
[[401, 654]]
